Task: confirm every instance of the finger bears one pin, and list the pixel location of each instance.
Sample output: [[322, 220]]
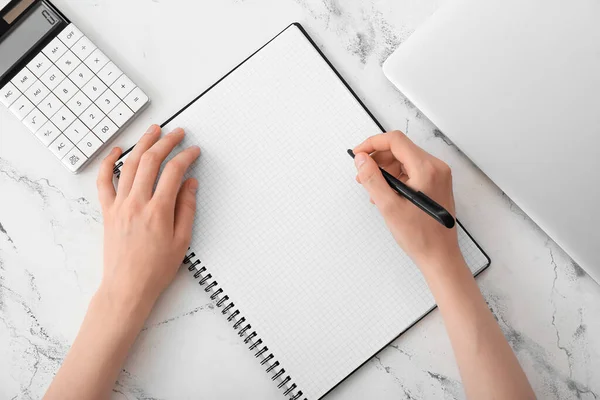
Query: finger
[[131, 164], [387, 161], [185, 210], [150, 163], [106, 188], [398, 143], [401, 177], [382, 195], [170, 179], [384, 158]]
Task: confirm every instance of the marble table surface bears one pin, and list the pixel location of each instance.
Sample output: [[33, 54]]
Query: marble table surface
[[51, 225]]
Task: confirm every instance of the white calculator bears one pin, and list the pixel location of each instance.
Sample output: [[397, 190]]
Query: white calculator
[[60, 85]]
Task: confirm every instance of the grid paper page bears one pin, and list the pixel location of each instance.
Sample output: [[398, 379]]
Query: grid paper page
[[283, 227]]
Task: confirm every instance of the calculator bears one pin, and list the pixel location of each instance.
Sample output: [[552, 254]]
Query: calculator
[[60, 85]]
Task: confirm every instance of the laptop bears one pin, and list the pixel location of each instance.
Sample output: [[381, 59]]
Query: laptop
[[515, 85]]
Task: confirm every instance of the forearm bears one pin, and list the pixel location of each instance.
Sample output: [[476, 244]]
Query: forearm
[[95, 359], [488, 366]]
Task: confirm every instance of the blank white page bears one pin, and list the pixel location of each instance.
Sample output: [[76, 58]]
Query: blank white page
[[283, 227]]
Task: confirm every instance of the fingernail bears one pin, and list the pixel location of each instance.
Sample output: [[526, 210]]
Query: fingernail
[[176, 131], [193, 186], [359, 159], [152, 129]]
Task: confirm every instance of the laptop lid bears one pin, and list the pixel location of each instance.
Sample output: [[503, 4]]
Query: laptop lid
[[516, 86]]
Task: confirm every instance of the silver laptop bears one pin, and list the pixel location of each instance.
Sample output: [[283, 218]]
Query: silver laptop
[[516, 86]]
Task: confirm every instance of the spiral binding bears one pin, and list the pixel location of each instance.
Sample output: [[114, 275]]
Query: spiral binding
[[243, 328]]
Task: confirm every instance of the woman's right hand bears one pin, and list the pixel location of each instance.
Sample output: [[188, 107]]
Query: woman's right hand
[[425, 240]]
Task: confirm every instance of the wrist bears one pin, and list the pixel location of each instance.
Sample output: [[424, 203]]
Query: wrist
[[439, 264], [123, 307]]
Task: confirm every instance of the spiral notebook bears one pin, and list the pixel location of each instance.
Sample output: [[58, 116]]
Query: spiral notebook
[[285, 241]]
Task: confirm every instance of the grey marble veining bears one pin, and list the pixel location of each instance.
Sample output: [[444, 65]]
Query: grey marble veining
[[51, 224]]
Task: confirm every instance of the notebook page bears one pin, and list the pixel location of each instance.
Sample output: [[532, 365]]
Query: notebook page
[[283, 227]]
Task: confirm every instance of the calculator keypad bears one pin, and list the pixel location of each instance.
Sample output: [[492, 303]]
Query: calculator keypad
[[105, 129], [8, 94], [89, 144], [81, 75], [24, 79], [55, 49], [96, 61], [94, 88], [79, 103], [22, 107], [92, 116], [83, 48], [68, 62], [37, 92], [65, 90], [50, 105], [47, 133], [61, 146], [110, 73], [63, 118], [72, 97], [52, 77], [136, 99], [34, 120], [39, 64], [74, 159]]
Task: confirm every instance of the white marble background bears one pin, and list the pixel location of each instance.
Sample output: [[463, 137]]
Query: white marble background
[[51, 225]]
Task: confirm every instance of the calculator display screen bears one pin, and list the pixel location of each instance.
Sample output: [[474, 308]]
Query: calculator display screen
[[39, 22]]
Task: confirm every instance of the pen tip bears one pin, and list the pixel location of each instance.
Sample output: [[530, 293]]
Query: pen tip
[[351, 153]]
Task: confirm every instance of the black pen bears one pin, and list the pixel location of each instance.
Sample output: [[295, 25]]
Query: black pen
[[419, 199]]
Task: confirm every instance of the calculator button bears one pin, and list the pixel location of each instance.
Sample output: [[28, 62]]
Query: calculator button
[[105, 129], [70, 35], [61, 146], [94, 88], [8, 94], [96, 61], [89, 144], [55, 49], [52, 77], [39, 64], [76, 131], [65, 90], [50, 105], [34, 120], [68, 62], [37, 92], [79, 103], [107, 101], [123, 86], [47, 133], [136, 99], [63, 118], [74, 159], [83, 48], [24, 79], [92, 116], [21, 107], [81, 75], [120, 114], [109, 73]]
